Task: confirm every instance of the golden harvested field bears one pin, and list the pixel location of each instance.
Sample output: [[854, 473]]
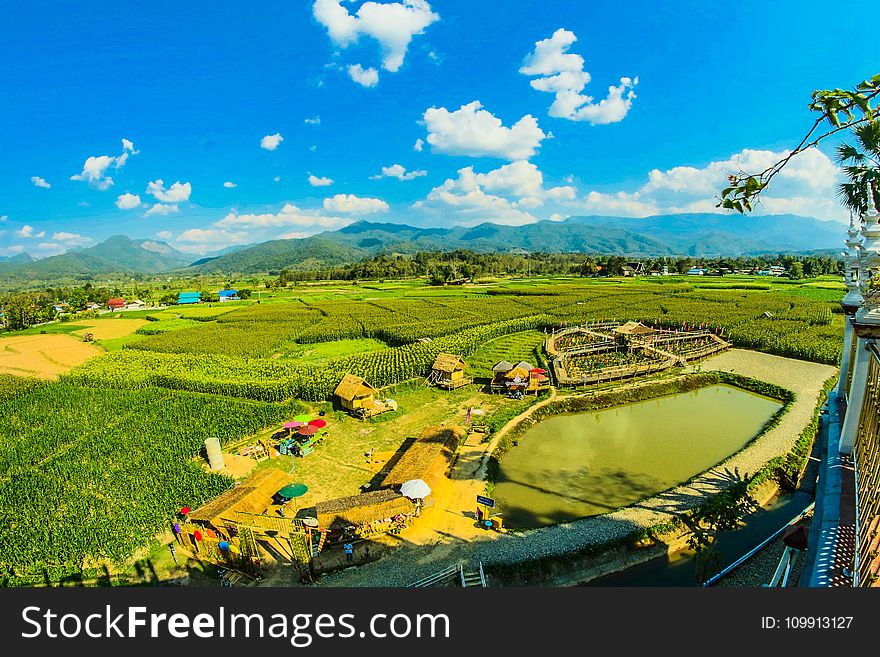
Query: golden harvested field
[[107, 329], [44, 356]]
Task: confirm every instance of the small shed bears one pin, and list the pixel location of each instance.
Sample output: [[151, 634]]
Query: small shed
[[253, 495], [355, 393], [228, 295], [186, 298], [116, 303], [448, 372], [499, 371], [135, 303]]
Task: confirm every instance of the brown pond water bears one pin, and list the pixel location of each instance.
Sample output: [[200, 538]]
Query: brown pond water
[[584, 464]]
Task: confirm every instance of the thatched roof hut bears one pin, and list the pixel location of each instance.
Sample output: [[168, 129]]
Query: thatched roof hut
[[355, 393], [353, 387], [253, 495], [448, 371], [502, 367], [428, 457], [634, 329], [375, 506], [448, 363], [520, 373]]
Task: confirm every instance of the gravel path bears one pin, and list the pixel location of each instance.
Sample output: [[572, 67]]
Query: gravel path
[[406, 565]]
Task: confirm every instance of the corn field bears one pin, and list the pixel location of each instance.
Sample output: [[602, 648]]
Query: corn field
[[89, 474]]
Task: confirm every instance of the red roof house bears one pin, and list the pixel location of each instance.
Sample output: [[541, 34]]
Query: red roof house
[[116, 303]]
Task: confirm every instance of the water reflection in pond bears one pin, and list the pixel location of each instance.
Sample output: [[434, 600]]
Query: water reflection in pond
[[582, 464]]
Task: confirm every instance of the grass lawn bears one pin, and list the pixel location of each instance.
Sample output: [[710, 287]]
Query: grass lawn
[[321, 352], [512, 348], [338, 466]]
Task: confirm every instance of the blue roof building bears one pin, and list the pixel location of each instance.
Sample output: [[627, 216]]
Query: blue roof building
[[228, 295], [188, 297]]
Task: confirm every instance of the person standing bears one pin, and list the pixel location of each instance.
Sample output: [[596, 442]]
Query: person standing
[[349, 552]]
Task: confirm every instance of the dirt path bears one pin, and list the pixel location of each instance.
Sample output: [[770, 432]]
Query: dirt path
[[422, 557]]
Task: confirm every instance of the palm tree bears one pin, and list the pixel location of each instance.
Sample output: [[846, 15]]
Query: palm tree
[[861, 164]]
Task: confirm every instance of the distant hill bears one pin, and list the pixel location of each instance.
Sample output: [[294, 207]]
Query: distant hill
[[118, 254], [666, 235], [17, 258]]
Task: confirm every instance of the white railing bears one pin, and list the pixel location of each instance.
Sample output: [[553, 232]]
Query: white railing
[[438, 577]]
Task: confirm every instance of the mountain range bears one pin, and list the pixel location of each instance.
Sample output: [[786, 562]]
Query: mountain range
[[697, 235], [115, 255]]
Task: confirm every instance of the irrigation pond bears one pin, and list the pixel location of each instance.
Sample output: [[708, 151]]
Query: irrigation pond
[[576, 465]]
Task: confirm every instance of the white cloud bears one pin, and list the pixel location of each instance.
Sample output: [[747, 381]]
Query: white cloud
[[128, 201], [177, 193], [202, 240], [315, 181], [15, 249], [71, 239], [28, 231], [806, 186], [40, 182], [391, 24], [229, 185], [313, 120], [270, 142], [366, 77], [473, 131], [503, 195], [398, 171], [351, 204], [289, 215], [51, 247], [277, 179], [562, 73], [162, 209], [419, 145], [4, 218], [164, 234], [95, 168]]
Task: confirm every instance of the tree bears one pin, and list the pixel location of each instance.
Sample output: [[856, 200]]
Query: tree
[[842, 110], [722, 512], [861, 164], [796, 270]]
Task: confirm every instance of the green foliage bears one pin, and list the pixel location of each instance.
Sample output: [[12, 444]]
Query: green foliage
[[90, 474], [842, 109]]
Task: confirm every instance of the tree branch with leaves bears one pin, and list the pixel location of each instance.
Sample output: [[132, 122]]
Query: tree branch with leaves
[[838, 110]]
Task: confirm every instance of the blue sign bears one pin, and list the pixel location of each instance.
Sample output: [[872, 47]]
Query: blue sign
[[487, 501]]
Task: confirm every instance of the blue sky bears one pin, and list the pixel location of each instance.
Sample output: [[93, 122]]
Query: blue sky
[[510, 102]]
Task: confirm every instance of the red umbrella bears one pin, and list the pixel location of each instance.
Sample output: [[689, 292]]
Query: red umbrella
[[185, 510], [307, 431], [538, 370], [293, 424], [318, 423]]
